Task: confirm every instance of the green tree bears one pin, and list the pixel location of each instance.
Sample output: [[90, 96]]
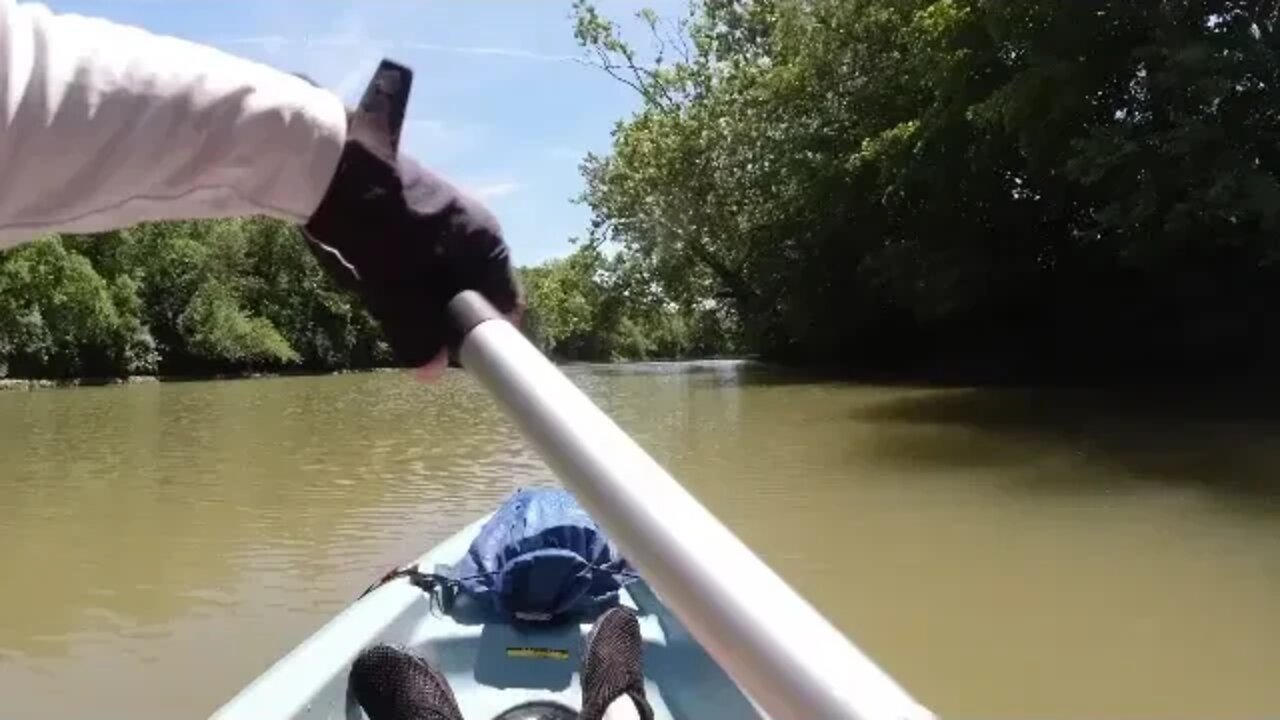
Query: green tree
[[216, 328], [178, 298], [587, 306], [58, 317], [285, 285], [921, 184], [565, 306]]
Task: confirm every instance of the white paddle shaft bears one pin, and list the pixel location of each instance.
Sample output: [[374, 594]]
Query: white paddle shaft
[[775, 646]]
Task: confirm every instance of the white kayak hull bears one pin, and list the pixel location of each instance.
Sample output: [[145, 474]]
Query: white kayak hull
[[491, 667]]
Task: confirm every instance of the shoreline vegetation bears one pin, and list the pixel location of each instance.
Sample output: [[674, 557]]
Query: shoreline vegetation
[[20, 384], [755, 370], [27, 384], [1068, 191], [230, 298], [938, 190]]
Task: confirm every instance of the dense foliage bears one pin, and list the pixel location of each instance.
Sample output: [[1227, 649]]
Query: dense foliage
[[919, 186], [198, 298], [589, 307], [971, 185], [177, 298]]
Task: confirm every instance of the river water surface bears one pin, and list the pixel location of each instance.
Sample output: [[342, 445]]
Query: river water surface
[[1004, 554]]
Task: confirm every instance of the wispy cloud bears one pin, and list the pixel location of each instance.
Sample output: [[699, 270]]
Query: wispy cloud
[[566, 152], [341, 54], [275, 43], [493, 191], [353, 81], [437, 142], [269, 42], [514, 53]]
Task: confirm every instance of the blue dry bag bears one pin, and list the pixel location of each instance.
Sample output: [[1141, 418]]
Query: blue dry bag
[[541, 558]]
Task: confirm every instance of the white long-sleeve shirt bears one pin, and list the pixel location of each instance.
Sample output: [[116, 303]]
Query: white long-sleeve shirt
[[104, 125]]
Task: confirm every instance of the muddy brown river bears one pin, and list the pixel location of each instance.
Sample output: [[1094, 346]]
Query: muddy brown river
[[1003, 553]]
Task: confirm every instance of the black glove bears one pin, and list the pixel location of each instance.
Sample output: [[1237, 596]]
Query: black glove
[[402, 238]]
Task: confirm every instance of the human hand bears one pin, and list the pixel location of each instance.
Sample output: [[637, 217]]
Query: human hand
[[404, 239]]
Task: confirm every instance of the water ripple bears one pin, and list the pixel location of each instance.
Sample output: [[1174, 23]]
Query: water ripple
[[170, 541]]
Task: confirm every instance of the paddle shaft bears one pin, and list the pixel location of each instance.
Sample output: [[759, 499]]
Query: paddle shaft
[[775, 646]]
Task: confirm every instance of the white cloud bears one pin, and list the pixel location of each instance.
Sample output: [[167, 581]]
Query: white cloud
[[352, 82], [437, 142], [428, 127], [515, 53], [341, 55], [269, 43], [276, 43], [566, 152], [492, 191]]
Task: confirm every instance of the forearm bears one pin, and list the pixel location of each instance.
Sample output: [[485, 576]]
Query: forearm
[[103, 125]]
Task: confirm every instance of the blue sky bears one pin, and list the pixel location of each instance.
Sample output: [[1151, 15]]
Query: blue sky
[[499, 106]]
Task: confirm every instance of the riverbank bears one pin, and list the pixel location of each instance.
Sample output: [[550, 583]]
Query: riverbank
[[771, 371], [54, 384], [42, 384], [46, 383]]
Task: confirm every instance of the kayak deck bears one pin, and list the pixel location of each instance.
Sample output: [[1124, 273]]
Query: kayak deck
[[490, 667]]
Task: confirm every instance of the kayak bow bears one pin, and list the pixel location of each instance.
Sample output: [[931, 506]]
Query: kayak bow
[[772, 642], [725, 636]]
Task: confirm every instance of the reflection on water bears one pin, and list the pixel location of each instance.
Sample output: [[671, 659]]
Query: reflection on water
[[1005, 554]]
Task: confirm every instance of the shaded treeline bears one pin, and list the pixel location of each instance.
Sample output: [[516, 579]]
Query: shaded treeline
[[200, 298], [1038, 187], [922, 187], [177, 298]]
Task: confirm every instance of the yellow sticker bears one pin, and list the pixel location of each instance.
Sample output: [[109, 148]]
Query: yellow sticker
[[540, 653]]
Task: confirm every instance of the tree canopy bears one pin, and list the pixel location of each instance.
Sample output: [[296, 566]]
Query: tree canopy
[[920, 184], [177, 298], [587, 306], [225, 296]]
